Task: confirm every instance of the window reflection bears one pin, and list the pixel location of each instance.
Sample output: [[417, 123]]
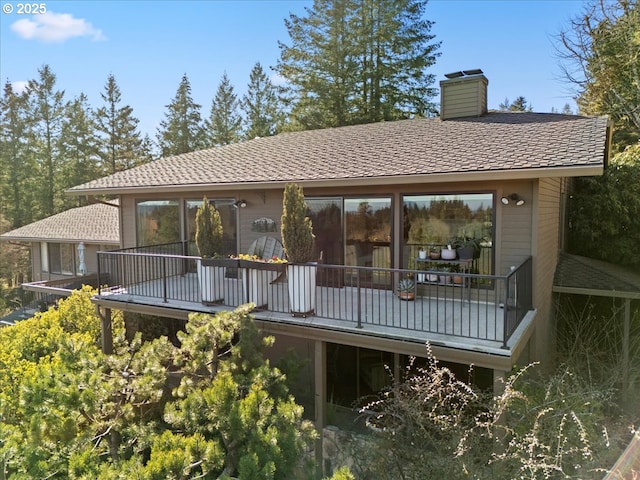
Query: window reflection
[[158, 222], [433, 221]]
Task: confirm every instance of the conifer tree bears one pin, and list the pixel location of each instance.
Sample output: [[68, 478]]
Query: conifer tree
[[224, 124], [260, 105], [181, 131], [17, 163], [121, 145], [47, 109], [358, 61], [79, 146]]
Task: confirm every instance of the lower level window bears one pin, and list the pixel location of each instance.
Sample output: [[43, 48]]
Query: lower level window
[[62, 258]]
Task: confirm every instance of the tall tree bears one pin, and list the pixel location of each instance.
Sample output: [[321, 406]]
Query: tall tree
[[17, 161], [260, 105], [181, 131], [47, 109], [395, 51], [600, 56], [357, 61], [224, 124], [79, 146], [121, 142]]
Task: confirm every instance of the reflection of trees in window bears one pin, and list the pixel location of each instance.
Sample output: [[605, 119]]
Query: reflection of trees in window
[[369, 222], [158, 222], [326, 217], [438, 219]]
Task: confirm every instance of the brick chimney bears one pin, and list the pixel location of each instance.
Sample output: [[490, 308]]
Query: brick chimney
[[463, 94]]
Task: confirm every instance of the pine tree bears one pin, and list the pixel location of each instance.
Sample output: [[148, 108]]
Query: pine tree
[[79, 146], [121, 145], [47, 109], [17, 162], [181, 131], [224, 124], [358, 61], [260, 105]]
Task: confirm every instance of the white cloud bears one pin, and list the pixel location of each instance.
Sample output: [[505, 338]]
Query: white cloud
[[55, 27], [19, 86]]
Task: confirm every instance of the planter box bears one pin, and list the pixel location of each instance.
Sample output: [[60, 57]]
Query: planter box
[[211, 283], [220, 262], [267, 266], [255, 284], [302, 288]]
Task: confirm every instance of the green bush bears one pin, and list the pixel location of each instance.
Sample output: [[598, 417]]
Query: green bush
[[297, 231], [208, 230]]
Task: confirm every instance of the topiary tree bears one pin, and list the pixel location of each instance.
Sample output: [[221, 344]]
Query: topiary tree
[[208, 230], [297, 231]]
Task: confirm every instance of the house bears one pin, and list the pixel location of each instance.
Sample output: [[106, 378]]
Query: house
[[376, 193], [64, 248]]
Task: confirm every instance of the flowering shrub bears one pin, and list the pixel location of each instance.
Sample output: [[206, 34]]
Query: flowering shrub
[[258, 258]]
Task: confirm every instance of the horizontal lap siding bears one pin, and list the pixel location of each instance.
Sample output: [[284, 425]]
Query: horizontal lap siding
[[259, 204], [547, 222], [515, 236]]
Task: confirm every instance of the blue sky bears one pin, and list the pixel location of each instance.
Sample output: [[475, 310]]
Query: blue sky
[[149, 44]]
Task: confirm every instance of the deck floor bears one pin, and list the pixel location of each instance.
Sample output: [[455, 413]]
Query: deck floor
[[455, 321]]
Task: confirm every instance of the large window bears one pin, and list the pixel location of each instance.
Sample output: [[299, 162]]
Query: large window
[[432, 221], [158, 222], [228, 218], [58, 258]]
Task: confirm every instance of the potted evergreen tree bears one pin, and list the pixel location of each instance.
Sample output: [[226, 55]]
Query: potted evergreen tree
[[209, 244], [298, 242]]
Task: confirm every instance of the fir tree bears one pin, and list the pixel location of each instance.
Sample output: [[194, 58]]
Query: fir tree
[[224, 124], [47, 109], [260, 105], [181, 131], [358, 61], [79, 146], [17, 163], [121, 145]]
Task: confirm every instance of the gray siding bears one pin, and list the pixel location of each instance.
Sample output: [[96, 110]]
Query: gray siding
[[546, 221]]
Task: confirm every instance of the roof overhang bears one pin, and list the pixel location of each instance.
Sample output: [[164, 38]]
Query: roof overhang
[[59, 240], [431, 178]]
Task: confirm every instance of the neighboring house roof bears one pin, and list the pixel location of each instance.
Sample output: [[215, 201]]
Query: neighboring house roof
[[97, 223], [588, 276], [495, 145]]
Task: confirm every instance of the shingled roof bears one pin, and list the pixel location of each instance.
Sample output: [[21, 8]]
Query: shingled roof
[[521, 145], [97, 223], [588, 276]]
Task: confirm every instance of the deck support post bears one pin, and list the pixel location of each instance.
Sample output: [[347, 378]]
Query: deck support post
[[320, 379]]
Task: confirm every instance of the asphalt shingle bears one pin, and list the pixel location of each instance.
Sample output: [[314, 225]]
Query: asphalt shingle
[[97, 223], [493, 142]]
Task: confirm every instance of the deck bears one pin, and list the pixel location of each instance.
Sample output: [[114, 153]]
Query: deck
[[444, 315]]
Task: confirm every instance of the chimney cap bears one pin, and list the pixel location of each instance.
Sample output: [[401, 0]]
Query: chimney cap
[[463, 73]]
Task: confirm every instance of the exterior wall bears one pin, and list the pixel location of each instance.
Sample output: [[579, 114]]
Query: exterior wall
[[128, 221], [546, 219], [259, 204], [36, 263], [514, 228], [513, 225], [90, 257]]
